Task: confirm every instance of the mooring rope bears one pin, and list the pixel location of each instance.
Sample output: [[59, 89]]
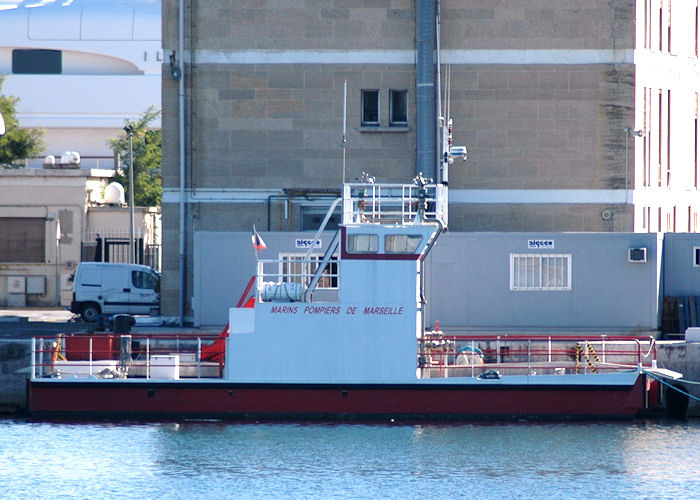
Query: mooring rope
[[673, 386]]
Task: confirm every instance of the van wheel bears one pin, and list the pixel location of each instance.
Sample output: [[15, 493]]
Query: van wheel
[[90, 312]]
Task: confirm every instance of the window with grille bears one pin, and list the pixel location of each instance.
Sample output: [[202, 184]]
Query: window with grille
[[22, 239], [293, 269], [546, 272]]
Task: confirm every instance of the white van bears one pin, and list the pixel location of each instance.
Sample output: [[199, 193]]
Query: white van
[[110, 288]]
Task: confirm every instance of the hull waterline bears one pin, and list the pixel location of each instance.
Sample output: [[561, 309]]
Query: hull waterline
[[331, 401]]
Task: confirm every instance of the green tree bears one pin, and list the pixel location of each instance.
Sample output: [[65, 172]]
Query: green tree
[[18, 143], [148, 186]]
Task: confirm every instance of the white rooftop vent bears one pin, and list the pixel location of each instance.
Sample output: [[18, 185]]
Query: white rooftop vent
[[114, 194]]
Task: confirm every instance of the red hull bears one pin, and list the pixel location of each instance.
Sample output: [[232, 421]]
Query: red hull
[[287, 401]]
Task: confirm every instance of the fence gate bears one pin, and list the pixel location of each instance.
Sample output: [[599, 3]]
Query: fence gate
[[117, 250]]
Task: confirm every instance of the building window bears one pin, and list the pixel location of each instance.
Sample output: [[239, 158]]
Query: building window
[[661, 28], [543, 272], [370, 108], [312, 217], [22, 239], [696, 256], [696, 135], [37, 62], [398, 101], [293, 269], [697, 27]]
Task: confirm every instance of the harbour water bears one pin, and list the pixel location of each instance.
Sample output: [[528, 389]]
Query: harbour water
[[210, 459]]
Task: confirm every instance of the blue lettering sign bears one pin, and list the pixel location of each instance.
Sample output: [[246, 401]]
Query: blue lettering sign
[[307, 242], [540, 244]]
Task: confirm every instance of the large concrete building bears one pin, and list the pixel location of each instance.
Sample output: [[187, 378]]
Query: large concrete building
[[578, 116]]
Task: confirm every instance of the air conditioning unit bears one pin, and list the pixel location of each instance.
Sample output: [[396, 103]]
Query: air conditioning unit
[[637, 255]]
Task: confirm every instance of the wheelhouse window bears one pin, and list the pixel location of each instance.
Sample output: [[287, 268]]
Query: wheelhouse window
[[362, 243], [293, 269], [696, 256], [37, 62], [370, 108], [540, 272], [402, 243], [398, 102]]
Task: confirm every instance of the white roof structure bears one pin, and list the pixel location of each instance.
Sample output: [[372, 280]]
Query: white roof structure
[[80, 68]]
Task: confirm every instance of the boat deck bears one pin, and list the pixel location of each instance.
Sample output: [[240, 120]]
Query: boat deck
[[177, 357]]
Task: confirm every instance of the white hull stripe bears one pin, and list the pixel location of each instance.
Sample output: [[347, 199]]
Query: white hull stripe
[[457, 196], [516, 57]]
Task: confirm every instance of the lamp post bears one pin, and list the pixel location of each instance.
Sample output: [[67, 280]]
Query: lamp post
[[58, 259], [129, 129]]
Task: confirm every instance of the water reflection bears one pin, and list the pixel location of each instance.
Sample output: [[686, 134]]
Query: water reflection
[[225, 460]]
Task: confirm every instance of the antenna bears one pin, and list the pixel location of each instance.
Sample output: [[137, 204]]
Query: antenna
[[440, 116], [345, 121]]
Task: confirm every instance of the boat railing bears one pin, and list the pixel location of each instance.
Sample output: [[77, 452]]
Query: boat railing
[[393, 203], [132, 356], [285, 280], [442, 355]]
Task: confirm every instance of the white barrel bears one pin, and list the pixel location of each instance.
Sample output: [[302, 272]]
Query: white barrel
[[281, 292]]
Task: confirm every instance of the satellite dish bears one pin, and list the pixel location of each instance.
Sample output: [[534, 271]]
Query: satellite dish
[[2, 125], [114, 194]]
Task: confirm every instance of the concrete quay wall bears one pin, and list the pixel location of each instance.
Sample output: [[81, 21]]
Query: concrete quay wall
[[15, 362], [683, 357]]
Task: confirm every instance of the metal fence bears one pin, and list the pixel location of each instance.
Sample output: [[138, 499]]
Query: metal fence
[[117, 250]]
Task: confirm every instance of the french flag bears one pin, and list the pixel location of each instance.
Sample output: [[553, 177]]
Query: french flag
[[258, 243]]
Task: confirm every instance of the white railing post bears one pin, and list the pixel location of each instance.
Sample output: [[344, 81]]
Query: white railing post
[[33, 362], [472, 357], [90, 355], [602, 342], [199, 357], [41, 357], [148, 358]]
